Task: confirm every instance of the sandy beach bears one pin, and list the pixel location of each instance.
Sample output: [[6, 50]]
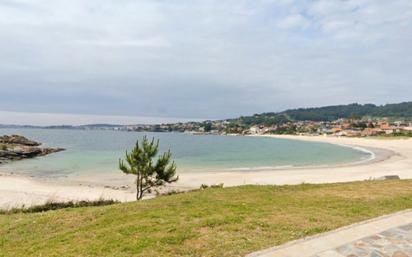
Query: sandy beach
[[392, 157]]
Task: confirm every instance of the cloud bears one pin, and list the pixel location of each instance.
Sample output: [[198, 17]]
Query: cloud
[[103, 42], [201, 58], [293, 21]]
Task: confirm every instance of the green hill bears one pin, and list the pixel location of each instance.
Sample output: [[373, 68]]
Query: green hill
[[214, 222], [328, 113]]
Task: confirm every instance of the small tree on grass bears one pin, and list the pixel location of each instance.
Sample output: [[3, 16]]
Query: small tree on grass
[[139, 162]]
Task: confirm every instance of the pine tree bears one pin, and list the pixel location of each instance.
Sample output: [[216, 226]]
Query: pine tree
[[140, 163]]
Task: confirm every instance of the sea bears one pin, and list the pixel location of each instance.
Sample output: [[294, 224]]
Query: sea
[[94, 153]]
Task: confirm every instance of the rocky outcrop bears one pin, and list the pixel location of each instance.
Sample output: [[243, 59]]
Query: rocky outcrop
[[18, 140], [17, 147]]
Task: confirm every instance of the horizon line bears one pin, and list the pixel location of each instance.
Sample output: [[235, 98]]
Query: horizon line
[[45, 119]]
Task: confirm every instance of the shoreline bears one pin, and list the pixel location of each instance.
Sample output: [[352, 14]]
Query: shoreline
[[377, 154], [390, 157]]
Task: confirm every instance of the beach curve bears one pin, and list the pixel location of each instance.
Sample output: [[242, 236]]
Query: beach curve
[[392, 157]]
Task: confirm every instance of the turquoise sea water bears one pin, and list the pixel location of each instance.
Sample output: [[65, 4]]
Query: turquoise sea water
[[94, 152]]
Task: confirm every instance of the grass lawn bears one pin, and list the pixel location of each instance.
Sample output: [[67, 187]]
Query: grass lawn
[[214, 222]]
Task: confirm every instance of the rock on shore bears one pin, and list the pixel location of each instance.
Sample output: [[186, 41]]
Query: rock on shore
[[18, 140], [17, 147]]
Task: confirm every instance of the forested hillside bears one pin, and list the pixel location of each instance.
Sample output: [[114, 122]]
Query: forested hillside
[[329, 113]]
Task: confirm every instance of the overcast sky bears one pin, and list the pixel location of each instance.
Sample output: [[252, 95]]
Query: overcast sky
[[200, 58]]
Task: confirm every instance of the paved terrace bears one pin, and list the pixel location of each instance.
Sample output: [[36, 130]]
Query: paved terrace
[[387, 236]]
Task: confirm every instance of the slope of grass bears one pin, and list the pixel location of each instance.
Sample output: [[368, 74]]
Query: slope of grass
[[212, 222]]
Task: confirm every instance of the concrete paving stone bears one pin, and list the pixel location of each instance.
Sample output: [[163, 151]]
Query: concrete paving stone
[[345, 249], [386, 236], [371, 239], [360, 244], [352, 250], [377, 254], [391, 249], [407, 248], [380, 243], [389, 233], [396, 233], [407, 227], [394, 242], [330, 253], [400, 254]]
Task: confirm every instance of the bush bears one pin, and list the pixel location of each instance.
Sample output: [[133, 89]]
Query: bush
[[217, 186], [3, 147], [172, 192], [51, 205], [204, 186]]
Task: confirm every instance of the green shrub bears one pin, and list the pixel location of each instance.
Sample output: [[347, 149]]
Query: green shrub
[[217, 186], [51, 205], [204, 186], [173, 192]]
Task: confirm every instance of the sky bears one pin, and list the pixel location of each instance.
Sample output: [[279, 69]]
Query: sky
[[49, 119], [198, 59]]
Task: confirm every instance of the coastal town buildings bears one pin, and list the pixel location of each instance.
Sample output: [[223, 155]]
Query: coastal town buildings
[[361, 127]]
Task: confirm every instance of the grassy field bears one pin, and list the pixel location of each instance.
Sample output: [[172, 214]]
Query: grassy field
[[212, 222]]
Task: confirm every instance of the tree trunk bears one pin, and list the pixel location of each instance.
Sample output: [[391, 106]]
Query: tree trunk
[[137, 192], [138, 189], [141, 187]]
